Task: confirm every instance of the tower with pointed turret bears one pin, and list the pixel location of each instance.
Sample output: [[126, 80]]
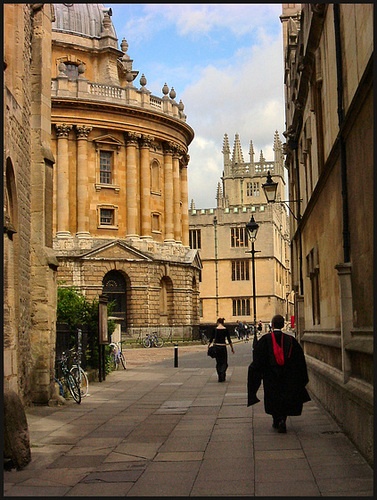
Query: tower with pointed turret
[[242, 181], [220, 236]]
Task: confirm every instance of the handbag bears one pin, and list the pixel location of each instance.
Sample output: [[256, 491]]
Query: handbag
[[211, 351]]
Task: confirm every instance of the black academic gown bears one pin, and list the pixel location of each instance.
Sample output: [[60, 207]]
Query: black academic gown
[[284, 386]]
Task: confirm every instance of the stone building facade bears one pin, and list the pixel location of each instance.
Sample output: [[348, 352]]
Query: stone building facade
[[29, 277], [120, 189], [219, 234], [328, 56]]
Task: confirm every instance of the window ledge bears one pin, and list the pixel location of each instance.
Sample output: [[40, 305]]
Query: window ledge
[[107, 186], [107, 226]]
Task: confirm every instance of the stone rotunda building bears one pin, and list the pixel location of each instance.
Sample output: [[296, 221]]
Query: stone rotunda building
[[120, 182]]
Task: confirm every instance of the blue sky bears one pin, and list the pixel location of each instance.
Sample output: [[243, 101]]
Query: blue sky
[[225, 62]]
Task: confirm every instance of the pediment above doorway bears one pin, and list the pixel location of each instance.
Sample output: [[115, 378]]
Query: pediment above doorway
[[116, 250]]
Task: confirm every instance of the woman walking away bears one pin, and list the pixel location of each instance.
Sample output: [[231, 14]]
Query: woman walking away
[[218, 336], [279, 360]]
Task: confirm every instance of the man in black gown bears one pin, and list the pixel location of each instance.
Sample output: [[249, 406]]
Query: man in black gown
[[279, 360]]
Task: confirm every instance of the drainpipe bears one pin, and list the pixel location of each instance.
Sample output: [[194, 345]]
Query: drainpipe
[[343, 166]]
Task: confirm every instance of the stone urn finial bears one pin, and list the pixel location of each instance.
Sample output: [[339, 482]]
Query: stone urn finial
[[143, 80], [172, 94], [165, 89], [124, 45]]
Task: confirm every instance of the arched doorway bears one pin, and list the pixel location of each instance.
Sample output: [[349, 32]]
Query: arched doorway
[[115, 288]]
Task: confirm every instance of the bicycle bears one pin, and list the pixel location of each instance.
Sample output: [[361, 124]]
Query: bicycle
[[116, 356], [79, 373], [153, 340], [69, 379]]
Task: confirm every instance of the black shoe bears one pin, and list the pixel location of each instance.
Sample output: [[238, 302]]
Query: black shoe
[[282, 428], [275, 425]]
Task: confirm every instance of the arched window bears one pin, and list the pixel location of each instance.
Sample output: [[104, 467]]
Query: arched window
[[155, 177]]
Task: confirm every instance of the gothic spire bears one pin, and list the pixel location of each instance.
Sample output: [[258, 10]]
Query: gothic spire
[[237, 151], [226, 148], [251, 153]]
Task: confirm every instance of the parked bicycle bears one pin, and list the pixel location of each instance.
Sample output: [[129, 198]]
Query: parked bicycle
[[69, 379], [116, 356], [153, 340], [79, 373]]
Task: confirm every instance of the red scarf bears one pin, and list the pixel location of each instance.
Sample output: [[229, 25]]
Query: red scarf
[[278, 350]]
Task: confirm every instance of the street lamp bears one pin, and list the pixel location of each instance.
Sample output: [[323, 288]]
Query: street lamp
[[252, 229], [270, 188]]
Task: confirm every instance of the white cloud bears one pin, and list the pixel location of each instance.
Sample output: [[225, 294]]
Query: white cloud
[[203, 18], [244, 97]]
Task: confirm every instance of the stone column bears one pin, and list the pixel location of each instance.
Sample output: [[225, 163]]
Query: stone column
[[82, 180], [145, 187], [346, 315], [62, 188], [184, 198], [131, 184], [168, 192], [177, 197]]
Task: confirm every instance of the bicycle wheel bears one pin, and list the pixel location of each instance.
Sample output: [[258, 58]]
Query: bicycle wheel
[[122, 360], [158, 342], [82, 379], [147, 342], [113, 361], [73, 388]]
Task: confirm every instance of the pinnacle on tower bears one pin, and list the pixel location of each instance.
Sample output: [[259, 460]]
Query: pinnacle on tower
[[277, 141], [192, 204], [251, 153], [226, 148], [219, 193], [237, 151], [261, 159]]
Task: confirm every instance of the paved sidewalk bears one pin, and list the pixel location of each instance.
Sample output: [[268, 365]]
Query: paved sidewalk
[[160, 430]]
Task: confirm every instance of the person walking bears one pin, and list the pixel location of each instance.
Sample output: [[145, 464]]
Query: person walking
[[219, 334], [279, 360], [260, 328]]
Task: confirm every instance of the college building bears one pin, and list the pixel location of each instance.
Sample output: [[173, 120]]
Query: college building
[[328, 60], [220, 234]]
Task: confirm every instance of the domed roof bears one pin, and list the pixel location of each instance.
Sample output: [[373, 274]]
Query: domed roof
[[81, 18]]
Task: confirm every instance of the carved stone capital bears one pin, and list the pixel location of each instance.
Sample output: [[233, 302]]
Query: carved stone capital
[[62, 130], [83, 131], [169, 148], [146, 141], [132, 138]]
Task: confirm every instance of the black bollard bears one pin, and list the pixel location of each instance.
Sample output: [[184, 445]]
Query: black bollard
[[175, 355]]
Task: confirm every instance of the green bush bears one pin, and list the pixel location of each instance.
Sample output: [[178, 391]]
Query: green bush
[[76, 310]]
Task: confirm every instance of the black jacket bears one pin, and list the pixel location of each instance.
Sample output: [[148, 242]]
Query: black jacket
[[284, 386]]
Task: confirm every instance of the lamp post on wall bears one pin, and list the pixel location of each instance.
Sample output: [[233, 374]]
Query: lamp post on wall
[[252, 229], [270, 189]]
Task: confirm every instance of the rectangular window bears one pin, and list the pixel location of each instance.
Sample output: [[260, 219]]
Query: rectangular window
[[249, 189], [195, 239], [156, 222], [241, 307], [256, 189], [312, 262], [105, 161], [240, 270], [107, 216], [238, 237]]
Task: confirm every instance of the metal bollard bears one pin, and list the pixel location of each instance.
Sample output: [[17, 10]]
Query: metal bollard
[[175, 355]]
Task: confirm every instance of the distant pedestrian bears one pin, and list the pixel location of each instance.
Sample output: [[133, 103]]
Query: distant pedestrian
[[219, 334], [260, 328], [247, 330], [279, 360], [241, 330]]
